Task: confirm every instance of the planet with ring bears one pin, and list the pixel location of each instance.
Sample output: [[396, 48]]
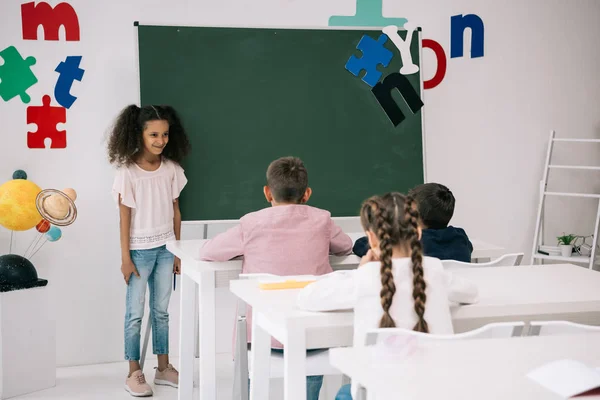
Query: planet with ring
[[57, 207]]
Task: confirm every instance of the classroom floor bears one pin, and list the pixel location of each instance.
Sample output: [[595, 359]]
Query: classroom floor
[[106, 381]]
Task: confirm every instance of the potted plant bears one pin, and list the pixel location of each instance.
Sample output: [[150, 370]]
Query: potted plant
[[565, 242]]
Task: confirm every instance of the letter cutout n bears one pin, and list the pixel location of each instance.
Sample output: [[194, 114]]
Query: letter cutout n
[[383, 93]]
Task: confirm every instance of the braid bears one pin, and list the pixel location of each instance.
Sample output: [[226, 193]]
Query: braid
[[419, 286], [384, 221], [394, 220]]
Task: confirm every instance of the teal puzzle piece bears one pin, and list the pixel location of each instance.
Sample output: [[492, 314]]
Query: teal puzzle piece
[[16, 75]]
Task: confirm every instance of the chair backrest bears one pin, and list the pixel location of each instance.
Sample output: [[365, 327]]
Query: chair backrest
[[349, 224], [191, 230], [507, 260], [489, 331], [550, 328]]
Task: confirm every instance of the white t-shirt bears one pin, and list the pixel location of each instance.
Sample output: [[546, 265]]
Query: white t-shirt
[[359, 290], [150, 195]]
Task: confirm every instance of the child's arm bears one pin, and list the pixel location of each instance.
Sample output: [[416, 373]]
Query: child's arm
[[177, 230], [224, 246], [177, 219], [127, 266], [460, 290], [334, 291], [340, 244]]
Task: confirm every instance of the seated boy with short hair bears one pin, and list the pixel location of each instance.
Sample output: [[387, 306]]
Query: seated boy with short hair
[[436, 207], [289, 238]]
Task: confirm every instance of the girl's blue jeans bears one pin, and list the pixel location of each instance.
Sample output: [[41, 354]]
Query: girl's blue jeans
[[155, 267]]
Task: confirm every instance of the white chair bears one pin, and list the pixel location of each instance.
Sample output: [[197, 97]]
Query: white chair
[[317, 362], [146, 339], [551, 328], [490, 331], [507, 260]]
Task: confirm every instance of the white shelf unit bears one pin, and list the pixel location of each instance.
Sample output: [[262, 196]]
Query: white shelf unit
[[538, 235]]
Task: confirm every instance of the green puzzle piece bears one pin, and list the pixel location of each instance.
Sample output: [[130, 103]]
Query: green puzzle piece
[[15, 75]]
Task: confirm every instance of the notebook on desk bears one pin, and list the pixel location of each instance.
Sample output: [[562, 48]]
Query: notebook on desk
[[286, 282]]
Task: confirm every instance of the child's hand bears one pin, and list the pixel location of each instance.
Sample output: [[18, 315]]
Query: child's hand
[[367, 258], [128, 268], [177, 266]]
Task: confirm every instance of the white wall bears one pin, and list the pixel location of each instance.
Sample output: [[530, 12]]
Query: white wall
[[487, 126]]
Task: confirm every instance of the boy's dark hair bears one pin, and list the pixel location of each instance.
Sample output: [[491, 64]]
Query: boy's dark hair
[[126, 141], [288, 179], [435, 203]]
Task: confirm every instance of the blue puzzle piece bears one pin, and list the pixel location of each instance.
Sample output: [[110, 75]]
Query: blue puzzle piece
[[373, 54]]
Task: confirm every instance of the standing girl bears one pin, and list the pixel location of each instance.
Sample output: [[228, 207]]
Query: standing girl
[[394, 282], [147, 145]]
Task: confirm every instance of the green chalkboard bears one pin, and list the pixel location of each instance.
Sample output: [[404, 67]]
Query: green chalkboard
[[249, 96]]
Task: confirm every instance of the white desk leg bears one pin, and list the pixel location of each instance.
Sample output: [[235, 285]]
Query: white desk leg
[[196, 324], [186, 337], [206, 336], [196, 321], [294, 364], [260, 361]]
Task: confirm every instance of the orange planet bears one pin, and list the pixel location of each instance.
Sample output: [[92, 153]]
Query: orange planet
[[18, 210]]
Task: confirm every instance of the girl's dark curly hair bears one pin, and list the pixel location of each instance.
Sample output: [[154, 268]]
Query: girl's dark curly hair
[[126, 141]]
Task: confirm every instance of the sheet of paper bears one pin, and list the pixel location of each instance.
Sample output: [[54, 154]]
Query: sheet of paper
[[567, 378]]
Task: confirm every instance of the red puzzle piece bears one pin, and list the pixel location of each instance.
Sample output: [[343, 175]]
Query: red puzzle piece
[[46, 117]]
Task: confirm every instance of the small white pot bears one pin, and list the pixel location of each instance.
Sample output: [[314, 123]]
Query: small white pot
[[566, 250]]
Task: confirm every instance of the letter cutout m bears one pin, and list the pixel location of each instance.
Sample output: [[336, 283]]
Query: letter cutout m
[[51, 19]]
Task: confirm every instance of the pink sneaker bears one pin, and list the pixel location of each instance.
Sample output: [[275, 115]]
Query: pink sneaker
[[136, 385], [168, 377]]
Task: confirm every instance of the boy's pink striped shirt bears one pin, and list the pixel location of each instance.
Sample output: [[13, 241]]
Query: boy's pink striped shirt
[[281, 240]]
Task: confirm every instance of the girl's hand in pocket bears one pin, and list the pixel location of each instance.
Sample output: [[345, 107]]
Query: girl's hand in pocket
[[128, 268]]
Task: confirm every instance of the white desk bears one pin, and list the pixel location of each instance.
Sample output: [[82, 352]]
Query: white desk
[[206, 276], [522, 293], [527, 293], [462, 370]]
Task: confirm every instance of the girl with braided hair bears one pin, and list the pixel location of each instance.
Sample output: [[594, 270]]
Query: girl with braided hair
[[395, 285]]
